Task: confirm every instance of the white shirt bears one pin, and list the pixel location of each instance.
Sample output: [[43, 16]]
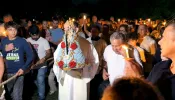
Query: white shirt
[[82, 34], [1, 54], [116, 63], [149, 45], [41, 46]]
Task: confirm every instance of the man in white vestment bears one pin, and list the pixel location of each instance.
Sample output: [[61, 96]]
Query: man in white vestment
[[76, 63]]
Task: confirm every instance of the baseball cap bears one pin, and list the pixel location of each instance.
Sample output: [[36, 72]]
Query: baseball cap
[[33, 30]]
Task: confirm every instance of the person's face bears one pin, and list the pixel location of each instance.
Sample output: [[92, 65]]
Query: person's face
[[157, 35], [35, 37], [55, 24], [116, 45], [11, 32], [167, 43], [66, 26], [29, 23], [94, 32], [94, 19], [7, 19], [44, 25], [122, 29], [80, 21], [142, 31], [88, 20], [132, 42], [105, 29], [112, 18]]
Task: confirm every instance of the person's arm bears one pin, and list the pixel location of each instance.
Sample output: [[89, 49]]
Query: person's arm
[[3, 48], [85, 29], [1, 68], [105, 74], [133, 66], [48, 52], [29, 54], [137, 57], [133, 69]]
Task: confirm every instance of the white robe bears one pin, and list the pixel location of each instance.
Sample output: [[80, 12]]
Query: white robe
[[77, 88]]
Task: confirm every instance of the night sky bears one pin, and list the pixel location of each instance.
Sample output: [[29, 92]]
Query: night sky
[[102, 8]]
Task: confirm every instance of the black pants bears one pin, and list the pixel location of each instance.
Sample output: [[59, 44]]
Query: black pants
[[94, 84], [102, 87]]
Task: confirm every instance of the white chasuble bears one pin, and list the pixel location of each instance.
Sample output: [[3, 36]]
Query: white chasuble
[[72, 87]]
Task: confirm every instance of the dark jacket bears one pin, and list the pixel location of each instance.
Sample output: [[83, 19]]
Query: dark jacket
[[163, 79]]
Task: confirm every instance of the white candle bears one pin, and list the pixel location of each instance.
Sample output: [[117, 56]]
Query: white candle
[[126, 50], [84, 17]]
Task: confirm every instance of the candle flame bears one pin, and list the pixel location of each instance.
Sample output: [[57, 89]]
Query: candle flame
[[4, 33], [126, 50], [50, 27], [118, 20], [164, 23], [73, 19], [124, 47], [84, 17]]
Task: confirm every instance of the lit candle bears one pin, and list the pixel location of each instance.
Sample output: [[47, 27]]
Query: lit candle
[[73, 19], [84, 17], [126, 50], [4, 33], [118, 20], [164, 23], [149, 20], [50, 27]]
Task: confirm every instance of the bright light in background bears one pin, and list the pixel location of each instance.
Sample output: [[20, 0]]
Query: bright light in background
[[164, 23], [50, 27], [3, 33], [73, 19], [118, 20], [84, 16]]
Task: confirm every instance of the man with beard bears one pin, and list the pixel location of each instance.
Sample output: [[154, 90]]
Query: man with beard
[[43, 52]]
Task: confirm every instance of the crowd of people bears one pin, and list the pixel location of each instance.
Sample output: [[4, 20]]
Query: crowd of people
[[88, 60]]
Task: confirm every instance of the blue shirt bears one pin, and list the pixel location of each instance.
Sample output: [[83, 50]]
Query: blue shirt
[[15, 58], [57, 34]]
